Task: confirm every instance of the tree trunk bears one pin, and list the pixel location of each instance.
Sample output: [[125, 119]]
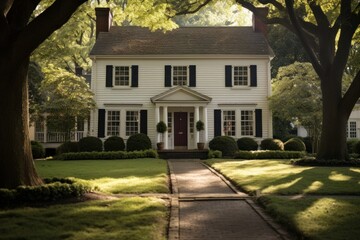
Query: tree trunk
[[16, 162]]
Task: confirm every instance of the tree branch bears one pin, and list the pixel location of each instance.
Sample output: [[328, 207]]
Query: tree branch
[[275, 3], [301, 34], [20, 13], [43, 26], [188, 11], [352, 95], [319, 14], [5, 6]]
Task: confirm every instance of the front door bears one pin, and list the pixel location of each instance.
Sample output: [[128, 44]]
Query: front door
[[180, 129]]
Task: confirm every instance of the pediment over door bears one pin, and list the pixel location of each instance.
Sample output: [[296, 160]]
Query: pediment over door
[[180, 94]]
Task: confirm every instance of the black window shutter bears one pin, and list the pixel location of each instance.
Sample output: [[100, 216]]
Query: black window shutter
[[143, 121], [109, 76], [167, 75], [253, 75], [217, 122], [192, 76], [258, 122], [228, 76], [134, 75], [101, 123]]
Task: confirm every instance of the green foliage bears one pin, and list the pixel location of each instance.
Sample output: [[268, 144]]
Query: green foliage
[[247, 144], [68, 147], [272, 144], [149, 153], [356, 148], [90, 144], [54, 189], [225, 144], [328, 163], [351, 143], [161, 127], [214, 154], [138, 142], [268, 154], [199, 125], [114, 143], [294, 144], [37, 150]]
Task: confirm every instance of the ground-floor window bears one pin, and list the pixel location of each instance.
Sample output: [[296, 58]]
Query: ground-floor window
[[229, 123], [351, 130], [132, 122], [113, 123], [247, 123]]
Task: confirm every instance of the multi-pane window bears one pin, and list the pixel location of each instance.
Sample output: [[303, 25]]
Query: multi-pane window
[[122, 76], [241, 76], [180, 75], [113, 123], [132, 122], [247, 123], [229, 123], [191, 122], [169, 126], [352, 130]]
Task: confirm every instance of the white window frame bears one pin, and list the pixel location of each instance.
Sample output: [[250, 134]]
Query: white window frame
[[252, 121], [128, 133], [118, 133], [224, 129], [173, 75], [248, 75], [352, 132], [114, 76]]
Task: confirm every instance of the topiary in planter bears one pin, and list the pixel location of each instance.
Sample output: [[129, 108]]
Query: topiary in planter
[[247, 144], [114, 143], [138, 142], [271, 144], [67, 147], [294, 144], [225, 144], [90, 144], [37, 150]]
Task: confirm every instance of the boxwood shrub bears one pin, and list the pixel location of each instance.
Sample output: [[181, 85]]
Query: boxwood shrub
[[90, 144], [268, 154], [150, 153], [214, 154], [272, 144], [351, 145], [114, 143], [37, 150], [225, 144], [247, 144], [138, 142], [294, 144], [68, 147]]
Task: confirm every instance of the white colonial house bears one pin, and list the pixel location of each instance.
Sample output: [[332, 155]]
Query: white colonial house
[[219, 75]]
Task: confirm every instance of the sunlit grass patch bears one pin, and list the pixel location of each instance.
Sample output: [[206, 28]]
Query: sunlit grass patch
[[112, 176], [126, 218], [280, 177], [318, 218]]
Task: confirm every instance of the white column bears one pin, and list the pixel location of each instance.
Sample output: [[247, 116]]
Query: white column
[[157, 119], [205, 120], [196, 118], [165, 119]]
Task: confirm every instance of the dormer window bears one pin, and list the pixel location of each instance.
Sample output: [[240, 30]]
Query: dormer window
[[121, 76], [180, 75], [241, 76]]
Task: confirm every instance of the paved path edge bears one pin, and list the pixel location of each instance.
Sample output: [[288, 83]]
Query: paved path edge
[[174, 222]]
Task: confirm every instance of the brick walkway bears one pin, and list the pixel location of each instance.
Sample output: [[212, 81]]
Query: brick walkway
[[208, 209]]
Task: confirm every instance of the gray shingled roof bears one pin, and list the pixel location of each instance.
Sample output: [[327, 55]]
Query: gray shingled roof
[[184, 40]]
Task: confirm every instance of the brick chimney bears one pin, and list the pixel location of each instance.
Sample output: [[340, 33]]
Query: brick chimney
[[258, 25], [103, 20]]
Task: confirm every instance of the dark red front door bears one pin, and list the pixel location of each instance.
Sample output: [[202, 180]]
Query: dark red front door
[[180, 129]]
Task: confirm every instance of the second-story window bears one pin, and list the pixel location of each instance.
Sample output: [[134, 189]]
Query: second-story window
[[122, 76], [180, 75], [241, 76]]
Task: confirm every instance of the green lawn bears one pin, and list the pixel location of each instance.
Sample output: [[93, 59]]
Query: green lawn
[[317, 211], [112, 176], [126, 218]]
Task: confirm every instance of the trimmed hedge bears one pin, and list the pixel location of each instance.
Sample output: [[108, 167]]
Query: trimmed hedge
[[272, 144], [268, 154], [54, 189], [138, 142], [247, 144], [326, 163], [68, 147], [114, 143], [294, 144], [351, 145], [214, 154], [150, 153], [90, 144], [356, 147], [225, 144], [37, 150]]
